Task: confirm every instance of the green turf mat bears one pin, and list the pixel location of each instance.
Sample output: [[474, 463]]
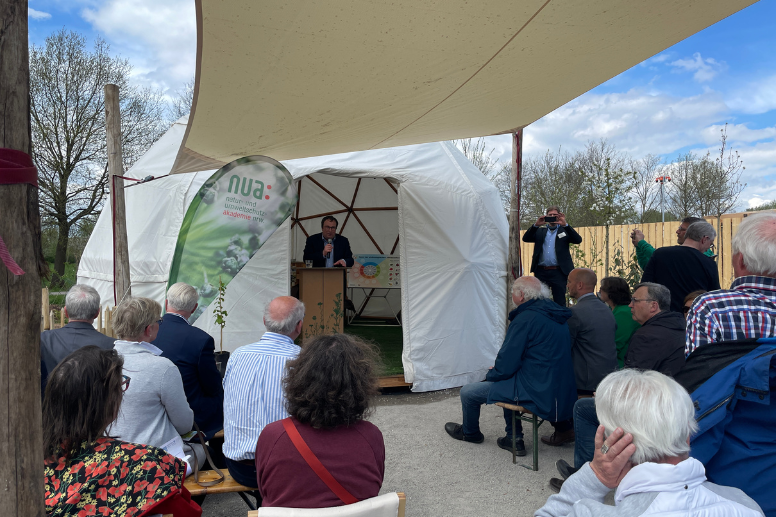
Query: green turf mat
[[388, 340]]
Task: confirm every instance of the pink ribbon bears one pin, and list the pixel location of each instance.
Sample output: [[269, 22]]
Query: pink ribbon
[[9, 262]]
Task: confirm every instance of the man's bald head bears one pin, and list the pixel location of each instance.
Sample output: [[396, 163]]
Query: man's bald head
[[581, 281], [284, 315]]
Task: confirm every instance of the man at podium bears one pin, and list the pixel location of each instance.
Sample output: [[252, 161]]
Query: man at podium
[[327, 249]]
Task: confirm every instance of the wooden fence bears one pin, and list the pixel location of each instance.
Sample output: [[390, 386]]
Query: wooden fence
[[54, 319], [591, 253]]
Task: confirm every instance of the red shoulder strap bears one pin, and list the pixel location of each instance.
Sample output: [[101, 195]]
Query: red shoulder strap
[[316, 464]]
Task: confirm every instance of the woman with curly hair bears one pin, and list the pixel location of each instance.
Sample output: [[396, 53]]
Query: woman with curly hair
[[615, 292], [86, 472], [328, 391]]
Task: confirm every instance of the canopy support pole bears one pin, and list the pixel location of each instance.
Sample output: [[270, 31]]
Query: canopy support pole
[[514, 263], [121, 279]]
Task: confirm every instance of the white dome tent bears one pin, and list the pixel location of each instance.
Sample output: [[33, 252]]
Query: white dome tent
[[425, 202]]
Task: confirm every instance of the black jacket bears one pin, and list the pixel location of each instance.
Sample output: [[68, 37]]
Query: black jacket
[[313, 250], [537, 235], [658, 344], [57, 344], [192, 349]]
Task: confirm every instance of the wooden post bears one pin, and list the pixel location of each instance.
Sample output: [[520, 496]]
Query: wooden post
[[44, 305], [121, 279], [21, 427], [514, 263]]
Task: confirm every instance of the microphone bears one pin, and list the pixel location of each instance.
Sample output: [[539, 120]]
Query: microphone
[[329, 241]]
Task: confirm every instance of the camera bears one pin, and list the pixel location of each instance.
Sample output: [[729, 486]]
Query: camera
[[551, 219]]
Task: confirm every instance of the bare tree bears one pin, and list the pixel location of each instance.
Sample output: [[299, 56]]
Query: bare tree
[[646, 191], [683, 195], [476, 151], [182, 101], [68, 128], [554, 179]]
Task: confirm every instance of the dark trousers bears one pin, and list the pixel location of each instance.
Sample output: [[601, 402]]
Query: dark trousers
[[556, 281], [245, 474]]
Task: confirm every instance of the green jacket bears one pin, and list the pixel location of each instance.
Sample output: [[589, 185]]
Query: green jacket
[[644, 251], [626, 326]]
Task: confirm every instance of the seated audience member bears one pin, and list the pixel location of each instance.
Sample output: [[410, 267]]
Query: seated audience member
[[748, 308], [192, 351], [82, 306], [642, 452], [533, 368], [684, 269], [592, 327], [253, 393], [154, 410], [615, 292], [657, 345], [328, 391], [644, 250], [86, 472], [688, 301]]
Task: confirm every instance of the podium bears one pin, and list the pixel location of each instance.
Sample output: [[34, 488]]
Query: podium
[[321, 290]]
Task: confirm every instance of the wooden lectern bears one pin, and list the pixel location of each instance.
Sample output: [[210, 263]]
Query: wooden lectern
[[322, 292]]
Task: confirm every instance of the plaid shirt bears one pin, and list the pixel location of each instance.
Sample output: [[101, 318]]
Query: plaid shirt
[[747, 310]]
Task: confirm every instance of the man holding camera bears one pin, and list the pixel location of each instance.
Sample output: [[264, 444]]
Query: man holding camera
[[551, 262]]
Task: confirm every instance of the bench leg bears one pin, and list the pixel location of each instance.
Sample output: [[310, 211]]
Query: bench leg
[[535, 443], [247, 501], [514, 440]]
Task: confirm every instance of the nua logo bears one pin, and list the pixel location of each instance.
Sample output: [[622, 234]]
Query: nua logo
[[247, 187]]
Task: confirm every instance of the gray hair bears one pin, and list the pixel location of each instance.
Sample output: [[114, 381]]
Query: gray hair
[[697, 231], [182, 297], [532, 288], [82, 302], [289, 317], [652, 407], [756, 241], [659, 293], [133, 315], [552, 207], [690, 219]]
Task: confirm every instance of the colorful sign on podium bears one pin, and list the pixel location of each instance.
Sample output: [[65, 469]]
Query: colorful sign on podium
[[375, 272]]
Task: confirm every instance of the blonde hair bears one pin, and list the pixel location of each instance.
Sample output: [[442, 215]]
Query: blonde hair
[[133, 315]]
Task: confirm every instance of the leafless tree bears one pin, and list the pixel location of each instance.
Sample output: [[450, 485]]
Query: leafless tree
[[646, 192], [182, 101], [68, 128], [683, 194]]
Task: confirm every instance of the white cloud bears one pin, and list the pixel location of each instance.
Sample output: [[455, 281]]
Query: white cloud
[[37, 15], [159, 38], [705, 69], [756, 97]]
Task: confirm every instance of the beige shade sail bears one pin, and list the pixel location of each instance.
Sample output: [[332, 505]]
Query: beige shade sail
[[317, 77]]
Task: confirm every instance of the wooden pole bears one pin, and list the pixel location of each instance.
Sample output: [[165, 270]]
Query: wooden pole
[[121, 279], [44, 302], [514, 263], [21, 426]]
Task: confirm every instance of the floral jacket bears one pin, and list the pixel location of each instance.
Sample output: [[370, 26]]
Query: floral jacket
[[110, 477]]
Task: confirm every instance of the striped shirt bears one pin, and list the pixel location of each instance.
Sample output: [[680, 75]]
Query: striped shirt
[[745, 311], [253, 394]]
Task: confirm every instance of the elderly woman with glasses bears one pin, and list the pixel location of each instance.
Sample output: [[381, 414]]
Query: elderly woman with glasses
[[155, 410], [643, 453], [87, 472]]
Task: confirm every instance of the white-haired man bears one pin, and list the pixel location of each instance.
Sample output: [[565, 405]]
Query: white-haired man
[[642, 452], [533, 368], [192, 350], [684, 269], [253, 391], [82, 305], [748, 308]]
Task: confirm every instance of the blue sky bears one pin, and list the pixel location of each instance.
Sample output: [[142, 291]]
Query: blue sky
[[671, 103]]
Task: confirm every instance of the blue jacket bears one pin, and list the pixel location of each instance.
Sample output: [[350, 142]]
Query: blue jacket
[[736, 414], [533, 367], [192, 351]]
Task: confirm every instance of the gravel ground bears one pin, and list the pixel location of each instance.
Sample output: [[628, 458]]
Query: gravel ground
[[442, 476]]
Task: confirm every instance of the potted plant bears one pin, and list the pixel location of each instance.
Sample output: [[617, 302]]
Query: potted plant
[[221, 357]]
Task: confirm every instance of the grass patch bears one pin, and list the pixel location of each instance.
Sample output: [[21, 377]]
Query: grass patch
[[388, 340], [69, 279]]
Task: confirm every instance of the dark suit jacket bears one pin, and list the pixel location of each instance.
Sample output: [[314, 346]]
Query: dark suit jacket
[[192, 349], [57, 344], [593, 347], [537, 235], [313, 250]]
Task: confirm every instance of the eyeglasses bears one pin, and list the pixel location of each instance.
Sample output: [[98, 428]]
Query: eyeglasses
[[681, 229], [125, 382], [635, 300]]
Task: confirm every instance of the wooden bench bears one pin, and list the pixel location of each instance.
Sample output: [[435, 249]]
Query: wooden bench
[[400, 513], [228, 485], [535, 423]]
